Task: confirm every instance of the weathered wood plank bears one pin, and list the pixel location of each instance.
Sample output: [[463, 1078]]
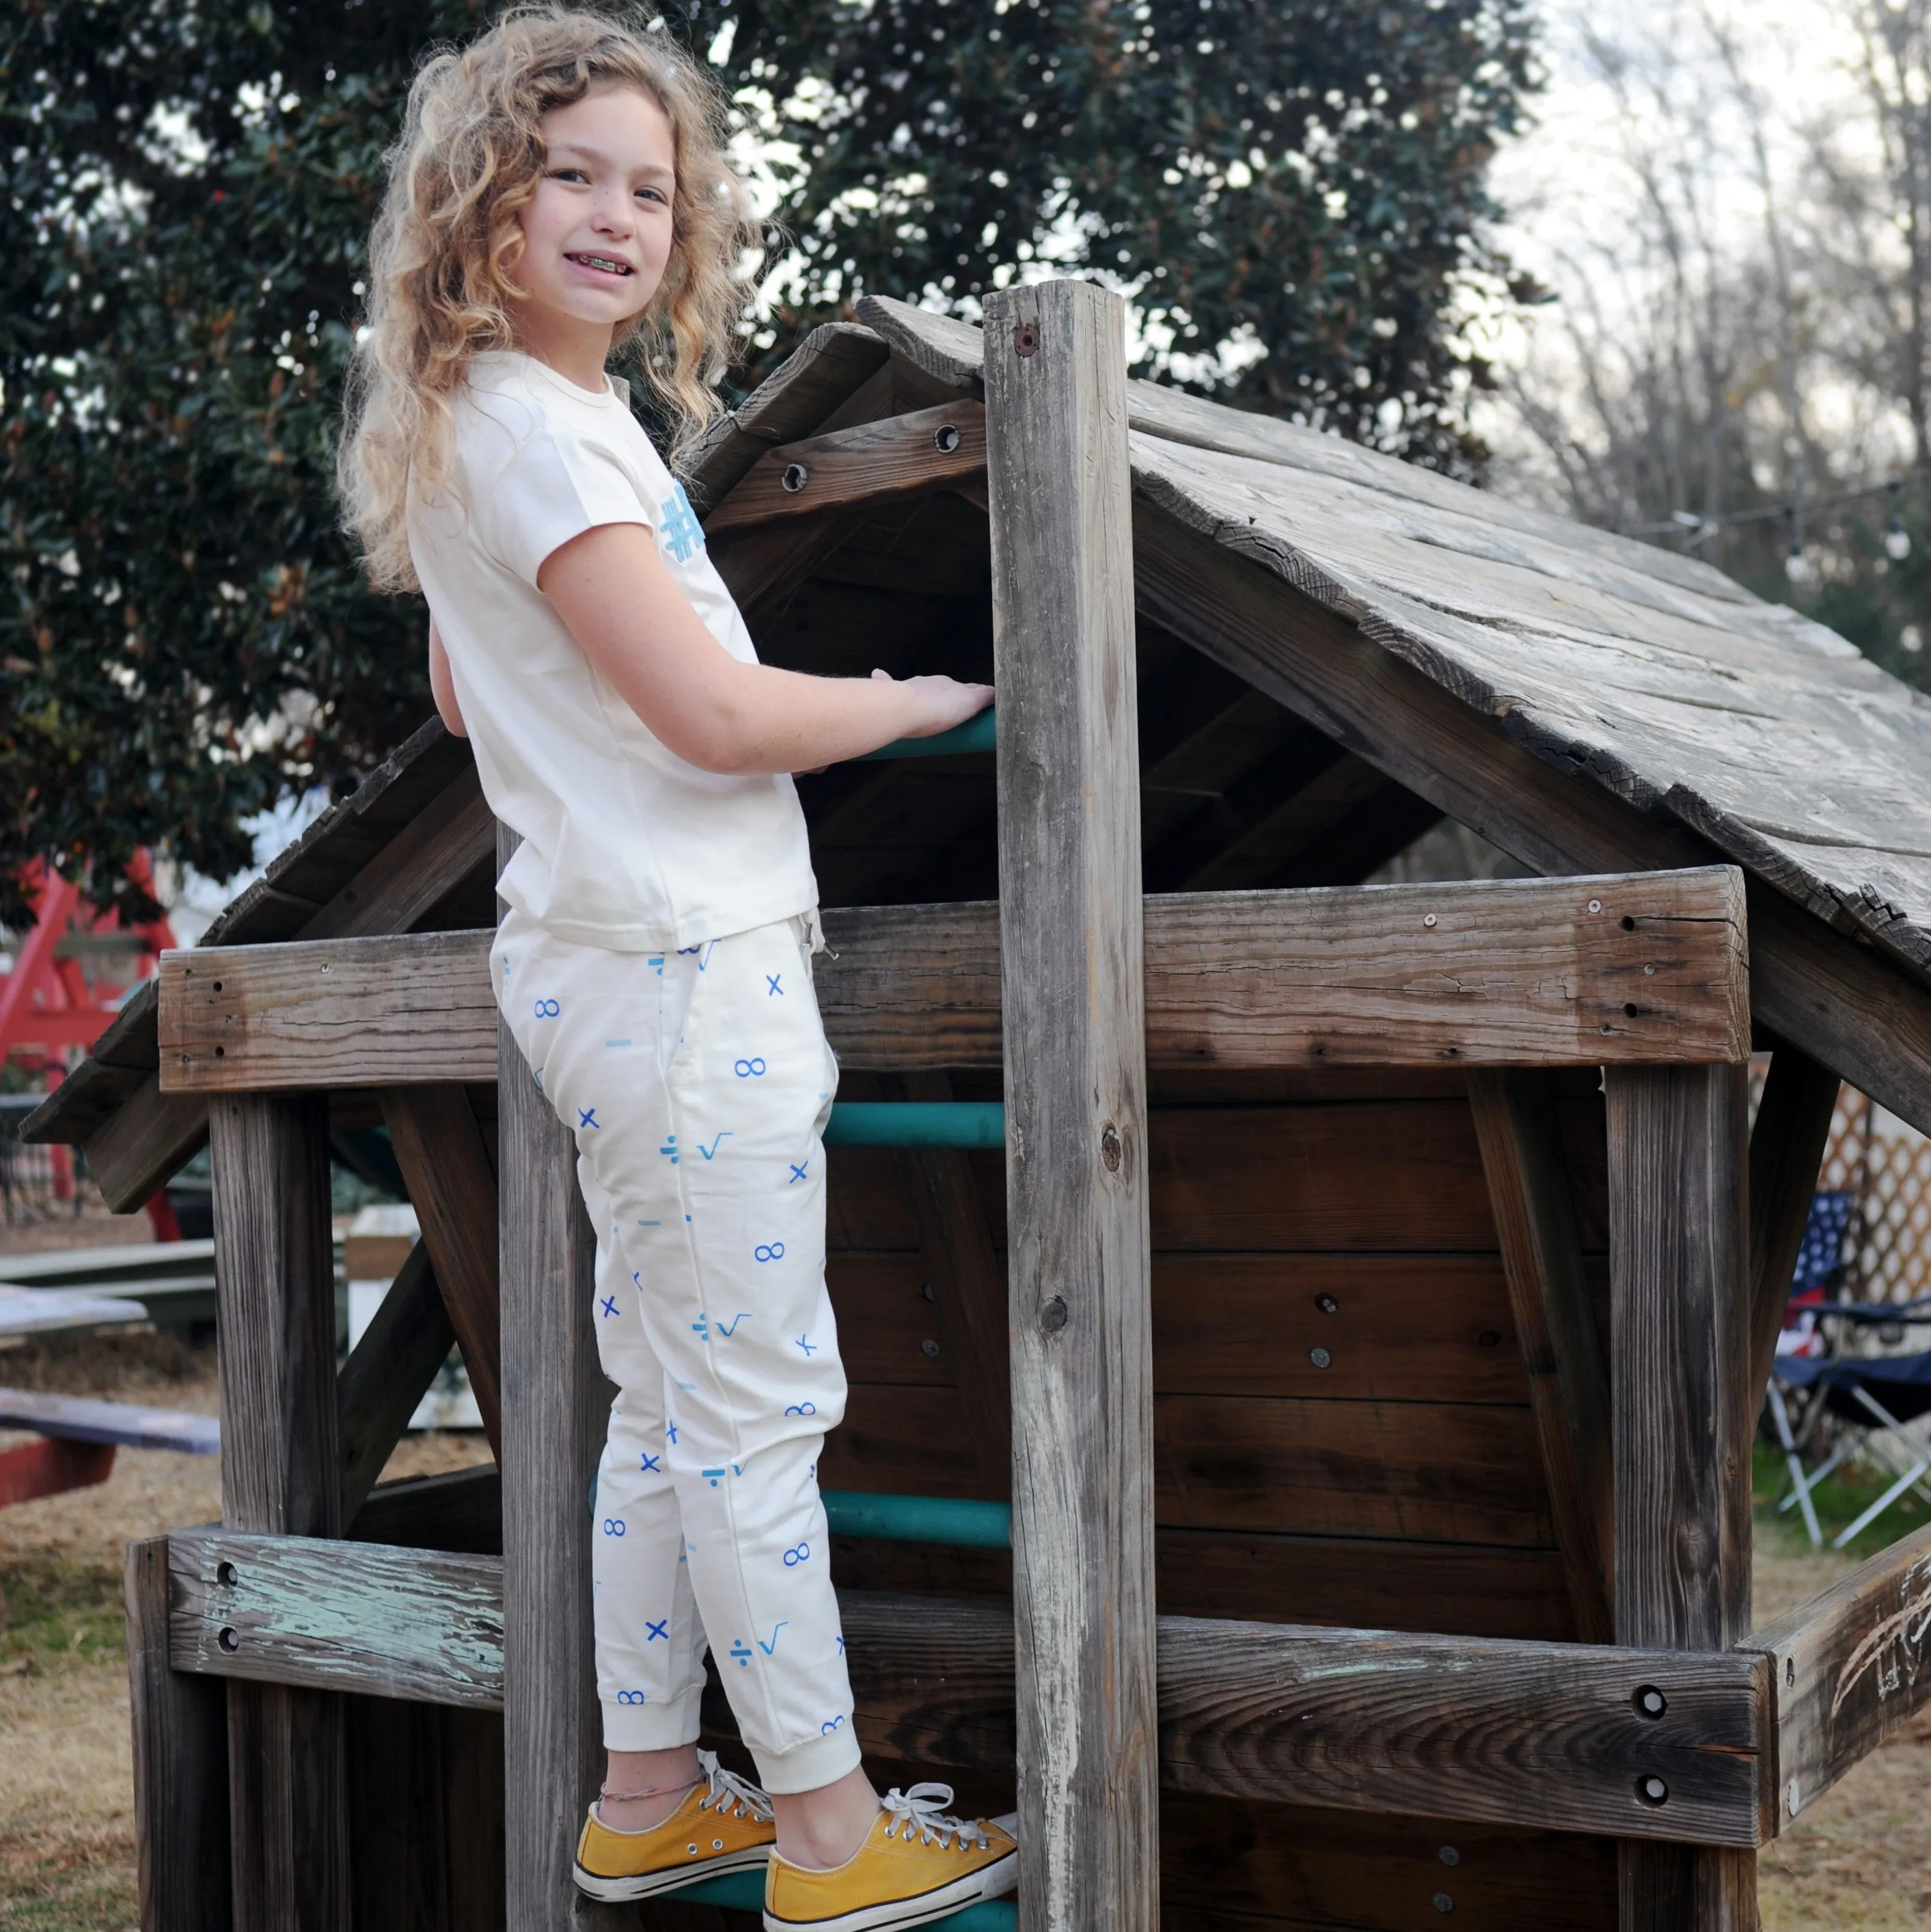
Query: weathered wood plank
[[873, 464], [336, 1616], [180, 1725], [275, 1279], [1850, 1668], [1512, 972], [386, 1373], [151, 1137], [761, 567], [1569, 1387], [1551, 1735], [1079, 1251], [1679, 1276], [1787, 1143], [1840, 1001], [555, 1406], [452, 1186]]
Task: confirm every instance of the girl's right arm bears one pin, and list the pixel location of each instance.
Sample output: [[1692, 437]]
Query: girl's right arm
[[618, 599]]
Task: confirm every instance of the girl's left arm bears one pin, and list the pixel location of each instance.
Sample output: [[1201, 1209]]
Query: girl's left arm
[[443, 686]]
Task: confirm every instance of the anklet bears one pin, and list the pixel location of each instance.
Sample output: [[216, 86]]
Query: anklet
[[605, 1796]]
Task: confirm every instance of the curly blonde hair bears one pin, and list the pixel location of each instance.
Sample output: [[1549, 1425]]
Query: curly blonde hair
[[466, 164]]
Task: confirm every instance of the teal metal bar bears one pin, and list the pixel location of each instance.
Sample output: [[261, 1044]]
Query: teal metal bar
[[744, 1891], [975, 734], [947, 1519], [907, 1124]]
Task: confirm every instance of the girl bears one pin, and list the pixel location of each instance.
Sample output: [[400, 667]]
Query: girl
[[560, 193]]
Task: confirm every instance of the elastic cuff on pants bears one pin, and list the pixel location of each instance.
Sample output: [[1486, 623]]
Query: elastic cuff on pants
[[818, 1761], [659, 1727]]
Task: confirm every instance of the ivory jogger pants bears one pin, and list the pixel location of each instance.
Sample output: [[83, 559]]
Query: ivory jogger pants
[[697, 1084]]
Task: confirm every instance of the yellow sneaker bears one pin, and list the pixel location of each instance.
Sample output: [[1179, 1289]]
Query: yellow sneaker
[[916, 1863], [724, 1826]]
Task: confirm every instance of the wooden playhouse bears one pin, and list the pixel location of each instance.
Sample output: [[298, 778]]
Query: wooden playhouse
[[1365, 1318]]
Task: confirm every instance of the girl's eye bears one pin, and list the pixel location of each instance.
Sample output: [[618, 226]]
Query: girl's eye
[[568, 174], [651, 194]]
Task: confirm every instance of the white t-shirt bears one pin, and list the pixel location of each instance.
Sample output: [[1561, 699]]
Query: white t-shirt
[[624, 844]]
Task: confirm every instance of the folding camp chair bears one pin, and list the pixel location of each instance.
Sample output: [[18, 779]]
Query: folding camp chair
[[1876, 1395], [1818, 1261]]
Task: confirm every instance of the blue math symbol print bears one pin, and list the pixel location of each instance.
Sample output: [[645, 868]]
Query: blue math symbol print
[[797, 1172], [841, 1646], [653, 1465], [547, 1009], [773, 990], [742, 1651], [829, 1726], [613, 1525], [802, 1408], [730, 1327], [653, 1631], [715, 1477], [586, 1116], [798, 1553], [749, 1069], [683, 535], [770, 1648], [656, 964], [804, 1342], [768, 1251], [711, 1152], [670, 1150], [701, 1327], [610, 1302], [670, 1434], [632, 1697]]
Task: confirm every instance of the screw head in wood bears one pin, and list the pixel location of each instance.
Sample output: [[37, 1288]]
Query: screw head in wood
[[1649, 1701], [1109, 1148], [1651, 1789], [945, 438], [795, 477], [1053, 1316], [1326, 1303], [1428, 919], [227, 1574], [1449, 1855], [1595, 905], [1320, 1357], [929, 1347], [227, 1638], [1442, 1903], [930, 1293], [1026, 340], [1489, 1338]]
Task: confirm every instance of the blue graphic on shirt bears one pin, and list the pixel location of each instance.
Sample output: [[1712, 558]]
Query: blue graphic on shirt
[[773, 989], [768, 1648], [654, 1631], [683, 535]]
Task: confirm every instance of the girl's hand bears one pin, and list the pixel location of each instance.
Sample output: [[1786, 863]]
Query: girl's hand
[[943, 702]]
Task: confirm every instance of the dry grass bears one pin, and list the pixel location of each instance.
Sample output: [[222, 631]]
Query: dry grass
[[1861, 1860]]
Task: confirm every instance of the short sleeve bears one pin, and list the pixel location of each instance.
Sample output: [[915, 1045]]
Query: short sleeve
[[534, 483]]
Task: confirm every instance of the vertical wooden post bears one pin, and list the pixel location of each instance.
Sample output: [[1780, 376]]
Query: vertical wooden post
[[275, 1285], [556, 1407], [1080, 1275], [180, 1727], [1680, 1282]]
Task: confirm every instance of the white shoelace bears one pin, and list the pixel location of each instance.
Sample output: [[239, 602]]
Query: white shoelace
[[734, 1796], [922, 1808]]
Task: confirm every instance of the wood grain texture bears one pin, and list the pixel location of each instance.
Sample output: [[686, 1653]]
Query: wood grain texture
[[180, 1726], [452, 1186], [1512, 972], [1569, 1384], [150, 1137], [348, 1616], [555, 1406], [1072, 956], [387, 1372], [461, 1510], [275, 1283], [1543, 1734], [871, 463], [1787, 1143], [1849, 1669], [1679, 1276]]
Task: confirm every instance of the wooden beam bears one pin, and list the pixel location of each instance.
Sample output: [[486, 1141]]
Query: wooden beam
[[1645, 967], [1550, 1735], [280, 1475], [1787, 1147], [1833, 996], [762, 567], [873, 463], [452, 1187], [148, 1140], [180, 1725], [1072, 953], [556, 1408], [386, 1373], [967, 1281], [1678, 1264], [1850, 1669], [1569, 1387]]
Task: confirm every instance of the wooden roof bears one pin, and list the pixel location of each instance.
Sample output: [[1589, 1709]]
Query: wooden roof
[[1336, 649]]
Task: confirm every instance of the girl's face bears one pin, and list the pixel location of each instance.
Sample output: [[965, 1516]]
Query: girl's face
[[597, 236]]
